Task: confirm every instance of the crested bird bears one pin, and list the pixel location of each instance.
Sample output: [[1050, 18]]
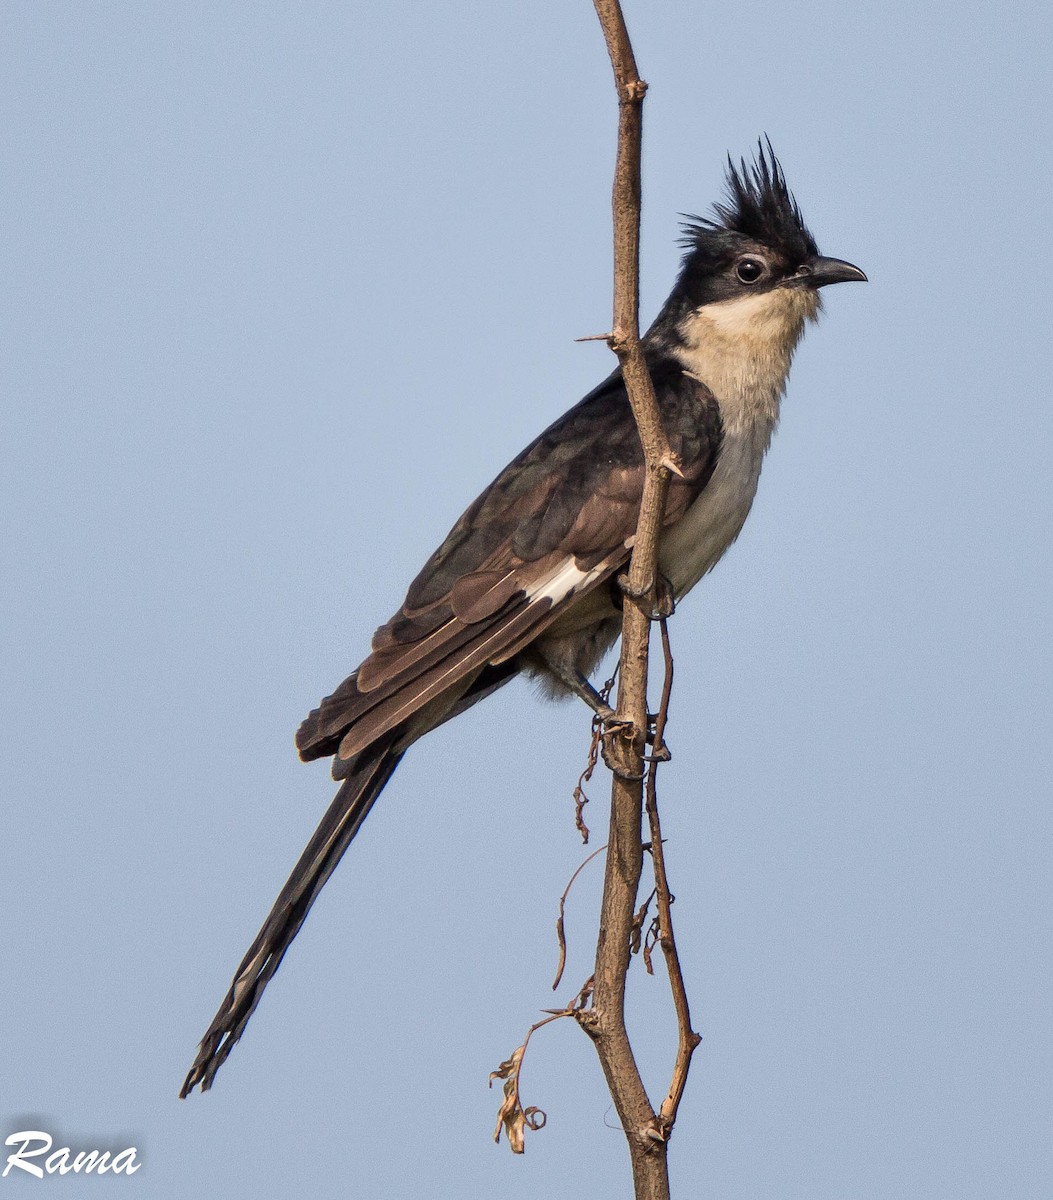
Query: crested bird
[[527, 579]]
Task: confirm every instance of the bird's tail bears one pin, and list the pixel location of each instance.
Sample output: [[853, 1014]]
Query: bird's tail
[[350, 806]]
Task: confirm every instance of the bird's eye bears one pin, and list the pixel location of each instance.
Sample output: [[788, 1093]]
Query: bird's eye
[[749, 270]]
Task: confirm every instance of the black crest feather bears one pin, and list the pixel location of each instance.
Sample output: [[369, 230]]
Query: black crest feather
[[759, 206]]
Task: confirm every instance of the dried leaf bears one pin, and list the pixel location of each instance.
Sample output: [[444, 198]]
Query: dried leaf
[[636, 929], [512, 1116], [653, 934], [562, 939]]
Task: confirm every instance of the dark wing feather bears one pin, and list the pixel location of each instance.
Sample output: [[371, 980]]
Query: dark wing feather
[[571, 498]]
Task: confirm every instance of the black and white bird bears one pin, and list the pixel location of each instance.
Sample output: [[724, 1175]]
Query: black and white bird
[[525, 581]]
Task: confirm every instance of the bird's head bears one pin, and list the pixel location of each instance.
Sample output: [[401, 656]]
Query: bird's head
[[753, 264]]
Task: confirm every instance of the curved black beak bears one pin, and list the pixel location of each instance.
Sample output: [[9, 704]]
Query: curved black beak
[[820, 271]]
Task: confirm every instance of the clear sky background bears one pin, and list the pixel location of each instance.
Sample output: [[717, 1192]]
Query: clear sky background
[[283, 286]]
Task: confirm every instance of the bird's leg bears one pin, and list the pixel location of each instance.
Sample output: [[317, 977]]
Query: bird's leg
[[579, 684], [614, 729], [574, 681]]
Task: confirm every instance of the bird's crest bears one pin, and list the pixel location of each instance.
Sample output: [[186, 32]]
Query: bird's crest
[[759, 206]]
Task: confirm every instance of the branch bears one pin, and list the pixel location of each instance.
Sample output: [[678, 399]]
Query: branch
[[561, 934], [643, 1129], [688, 1040]]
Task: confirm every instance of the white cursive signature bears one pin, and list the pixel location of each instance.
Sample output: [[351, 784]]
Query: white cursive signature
[[35, 1142]]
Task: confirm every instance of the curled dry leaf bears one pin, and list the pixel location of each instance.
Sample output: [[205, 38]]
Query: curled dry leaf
[[654, 932], [512, 1116], [580, 798], [636, 929]]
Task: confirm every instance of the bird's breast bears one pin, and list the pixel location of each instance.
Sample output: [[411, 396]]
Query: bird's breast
[[695, 544], [741, 351]]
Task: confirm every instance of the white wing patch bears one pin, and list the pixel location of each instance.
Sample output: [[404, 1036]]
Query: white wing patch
[[565, 581]]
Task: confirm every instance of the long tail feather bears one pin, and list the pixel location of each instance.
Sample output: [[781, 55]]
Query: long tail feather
[[341, 822]]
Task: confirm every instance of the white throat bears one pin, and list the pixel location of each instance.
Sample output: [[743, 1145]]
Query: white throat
[[741, 350]]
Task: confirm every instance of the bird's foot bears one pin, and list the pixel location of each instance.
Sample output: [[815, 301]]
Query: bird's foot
[[658, 601], [618, 738], [616, 744], [664, 599]]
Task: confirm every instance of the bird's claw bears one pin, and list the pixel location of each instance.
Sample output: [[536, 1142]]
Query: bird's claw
[[664, 600], [658, 601], [619, 735], [617, 741]]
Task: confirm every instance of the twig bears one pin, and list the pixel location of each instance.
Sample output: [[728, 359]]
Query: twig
[[580, 798], [512, 1117], [560, 935], [626, 747], [688, 1040]]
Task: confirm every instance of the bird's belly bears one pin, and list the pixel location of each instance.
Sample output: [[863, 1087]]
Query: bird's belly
[[695, 544]]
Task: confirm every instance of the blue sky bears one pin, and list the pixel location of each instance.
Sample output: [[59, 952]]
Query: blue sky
[[284, 286]]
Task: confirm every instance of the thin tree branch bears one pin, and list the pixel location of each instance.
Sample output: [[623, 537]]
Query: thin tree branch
[[627, 741], [561, 935], [688, 1039]]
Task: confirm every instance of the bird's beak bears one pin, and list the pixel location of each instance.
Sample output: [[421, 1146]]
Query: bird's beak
[[819, 271]]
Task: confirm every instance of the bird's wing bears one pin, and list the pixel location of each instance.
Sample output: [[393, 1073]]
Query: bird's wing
[[554, 524]]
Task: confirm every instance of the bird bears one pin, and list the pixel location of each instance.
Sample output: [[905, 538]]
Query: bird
[[526, 582]]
